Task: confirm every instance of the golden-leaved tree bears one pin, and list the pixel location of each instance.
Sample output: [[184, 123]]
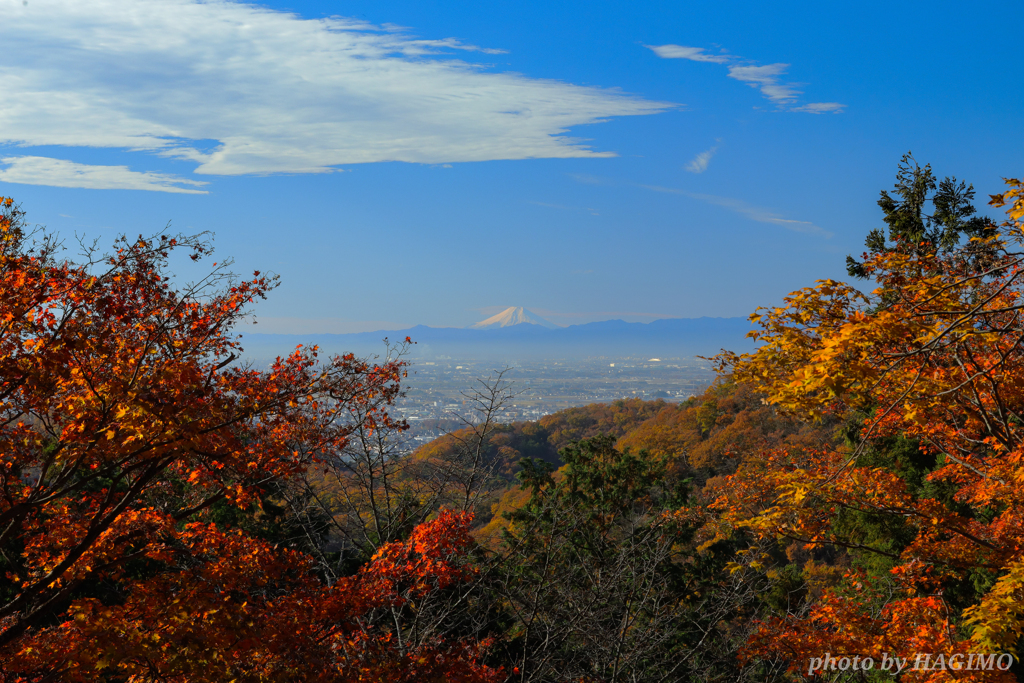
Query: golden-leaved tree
[[934, 356]]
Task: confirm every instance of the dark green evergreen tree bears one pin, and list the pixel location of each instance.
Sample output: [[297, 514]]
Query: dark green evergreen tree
[[598, 581], [953, 217]]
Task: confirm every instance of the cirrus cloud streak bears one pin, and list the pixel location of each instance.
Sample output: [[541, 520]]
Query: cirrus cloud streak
[[239, 89], [764, 77], [699, 163], [754, 213], [32, 170]]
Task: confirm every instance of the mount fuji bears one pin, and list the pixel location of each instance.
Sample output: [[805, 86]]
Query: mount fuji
[[513, 315]]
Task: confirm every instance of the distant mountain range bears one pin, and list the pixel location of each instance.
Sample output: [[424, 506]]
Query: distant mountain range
[[665, 338]]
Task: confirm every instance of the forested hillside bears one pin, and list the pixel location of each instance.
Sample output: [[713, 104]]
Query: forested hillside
[[850, 492]]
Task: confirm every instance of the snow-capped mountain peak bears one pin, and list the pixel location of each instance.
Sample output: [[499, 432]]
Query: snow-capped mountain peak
[[513, 315]]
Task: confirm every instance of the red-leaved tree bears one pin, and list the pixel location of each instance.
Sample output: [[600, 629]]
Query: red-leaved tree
[[124, 419]]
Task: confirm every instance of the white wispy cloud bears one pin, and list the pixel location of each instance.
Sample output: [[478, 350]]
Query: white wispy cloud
[[31, 170], [240, 89], [764, 77], [820, 107], [695, 54], [754, 213], [699, 163]]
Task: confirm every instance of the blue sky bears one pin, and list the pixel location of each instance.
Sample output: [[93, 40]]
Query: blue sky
[[404, 163]]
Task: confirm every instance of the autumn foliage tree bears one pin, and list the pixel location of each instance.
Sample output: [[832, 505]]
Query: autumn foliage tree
[[124, 423], [928, 371], [852, 487]]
